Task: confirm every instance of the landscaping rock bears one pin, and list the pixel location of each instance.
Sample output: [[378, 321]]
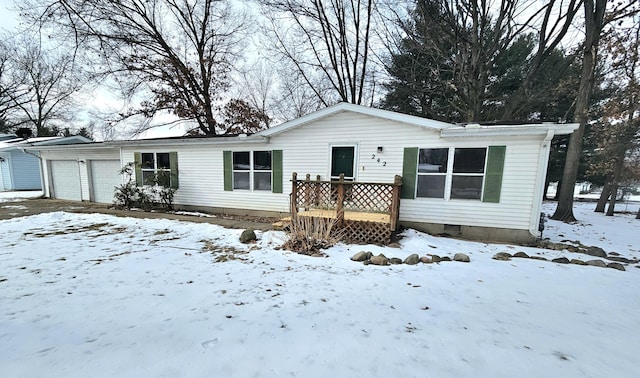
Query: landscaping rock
[[394, 245], [599, 263], [616, 265], [596, 251], [247, 236], [362, 256], [561, 260], [395, 260], [521, 255], [561, 246], [619, 259], [461, 257], [425, 260], [502, 256], [435, 258], [538, 258], [379, 260], [578, 262], [544, 244], [412, 259], [445, 258]]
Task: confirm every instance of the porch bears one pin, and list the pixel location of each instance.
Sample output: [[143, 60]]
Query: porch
[[365, 212]]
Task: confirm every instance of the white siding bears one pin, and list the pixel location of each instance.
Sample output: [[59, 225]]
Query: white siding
[[306, 150]]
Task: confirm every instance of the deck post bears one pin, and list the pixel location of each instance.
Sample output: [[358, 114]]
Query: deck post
[[307, 192], [316, 189], [294, 195], [340, 202], [395, 202]]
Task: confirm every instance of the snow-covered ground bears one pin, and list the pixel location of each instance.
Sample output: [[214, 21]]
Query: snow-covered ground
[[94, 295], [10, 196]]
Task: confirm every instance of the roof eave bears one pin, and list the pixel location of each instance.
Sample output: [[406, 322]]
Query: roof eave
[[509, 130]]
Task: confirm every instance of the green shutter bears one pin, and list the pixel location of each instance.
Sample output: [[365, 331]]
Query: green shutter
[[409, 173], [137, 158], [493, 175], [173, 164], [276, 171], [227, 161]]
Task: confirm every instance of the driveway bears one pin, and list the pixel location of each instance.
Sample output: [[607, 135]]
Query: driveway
[[26, 207]]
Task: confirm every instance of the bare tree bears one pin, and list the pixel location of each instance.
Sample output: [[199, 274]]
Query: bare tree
[[181, 51], [330, 39], [44, 83], [594, 23]]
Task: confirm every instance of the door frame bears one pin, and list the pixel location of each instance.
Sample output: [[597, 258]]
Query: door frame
[[355, 159]]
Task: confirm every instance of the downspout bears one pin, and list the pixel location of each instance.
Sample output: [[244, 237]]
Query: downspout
[[543, 162]]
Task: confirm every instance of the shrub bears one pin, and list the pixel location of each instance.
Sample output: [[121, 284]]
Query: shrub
[[309, 235], [128, 194]]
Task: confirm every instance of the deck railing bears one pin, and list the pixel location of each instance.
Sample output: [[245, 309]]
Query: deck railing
[[351, 196]]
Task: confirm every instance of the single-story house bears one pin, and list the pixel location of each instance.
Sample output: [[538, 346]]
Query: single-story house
[[469, 180], [20, 167]]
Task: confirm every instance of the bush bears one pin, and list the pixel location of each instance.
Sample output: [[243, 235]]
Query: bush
[[129, 195], [309, 235]]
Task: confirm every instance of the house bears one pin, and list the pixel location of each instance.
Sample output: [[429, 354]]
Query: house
[[470, 180], [20, 168]]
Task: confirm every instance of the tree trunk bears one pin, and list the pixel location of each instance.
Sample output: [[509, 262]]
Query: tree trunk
[[638, 215], [612, 201], [594, 16], [604, 197]]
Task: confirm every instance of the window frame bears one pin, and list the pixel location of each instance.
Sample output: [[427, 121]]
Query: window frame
[[450, 174], [155, 169], [433, 174], [355, 161], [252, 171]]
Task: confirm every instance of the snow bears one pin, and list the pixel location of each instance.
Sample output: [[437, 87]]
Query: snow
[[10, 196], [96, 295]]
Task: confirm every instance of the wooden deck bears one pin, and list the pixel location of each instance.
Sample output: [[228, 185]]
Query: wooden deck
[[354, 216]]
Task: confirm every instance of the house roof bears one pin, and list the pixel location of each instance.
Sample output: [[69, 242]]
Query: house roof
[[18, 143], [347, 107], [476, 130]]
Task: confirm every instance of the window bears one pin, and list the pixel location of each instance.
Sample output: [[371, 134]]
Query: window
[[252, 170], [468, 173], [432, 172], [156, 168]]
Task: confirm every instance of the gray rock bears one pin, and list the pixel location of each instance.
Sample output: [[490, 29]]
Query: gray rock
[[578, 262], [425, 260], [599, 263], [435, 258], [445, 258], [461, 257], [521, 255], [412, 259], [619, 259], [395, 260], [596, 251], [535, 257], [394, 245], [544, 244], [561, 246], [247, 236], [616, 265], [379, 260], [502, 256], [561, 260], [361, 256], [366, 262]]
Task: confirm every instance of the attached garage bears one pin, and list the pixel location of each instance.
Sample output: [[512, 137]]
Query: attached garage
[[65, 180], [104, 177]]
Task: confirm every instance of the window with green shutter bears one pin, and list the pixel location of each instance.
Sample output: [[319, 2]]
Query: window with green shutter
[[156, 168], [253, 170]]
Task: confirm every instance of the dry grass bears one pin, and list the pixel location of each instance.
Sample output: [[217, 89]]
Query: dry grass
[[309, 235]]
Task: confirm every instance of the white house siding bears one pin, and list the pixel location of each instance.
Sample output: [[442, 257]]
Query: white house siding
[[306, 150], [83, 157], [201, 178]]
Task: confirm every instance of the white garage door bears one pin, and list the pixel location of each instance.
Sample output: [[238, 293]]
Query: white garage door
[[104, 177], [65, 180]]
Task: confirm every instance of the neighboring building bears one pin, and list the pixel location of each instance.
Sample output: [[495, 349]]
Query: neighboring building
[[20, 167], [470, 180]]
